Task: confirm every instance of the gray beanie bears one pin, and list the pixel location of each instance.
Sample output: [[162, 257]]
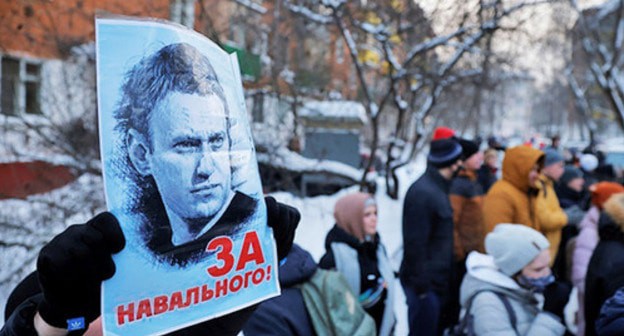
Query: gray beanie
[[552, 156], [514, 246]]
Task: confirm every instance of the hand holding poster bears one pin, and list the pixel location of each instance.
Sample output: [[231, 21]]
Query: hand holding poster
[[181, 177]]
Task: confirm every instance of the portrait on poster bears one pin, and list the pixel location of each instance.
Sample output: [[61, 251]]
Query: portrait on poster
[[173, 123], [180, 173]]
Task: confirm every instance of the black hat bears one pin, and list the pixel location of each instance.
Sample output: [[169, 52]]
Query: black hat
[[444, 152], [569, 174], [469, 148]]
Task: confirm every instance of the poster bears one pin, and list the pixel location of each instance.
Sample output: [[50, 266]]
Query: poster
[[181, 177]]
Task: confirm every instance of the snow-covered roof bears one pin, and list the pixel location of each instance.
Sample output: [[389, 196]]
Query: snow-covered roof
[[286, 159], [345, 110]]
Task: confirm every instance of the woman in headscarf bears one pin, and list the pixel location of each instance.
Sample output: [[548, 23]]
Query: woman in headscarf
[[353, 248]]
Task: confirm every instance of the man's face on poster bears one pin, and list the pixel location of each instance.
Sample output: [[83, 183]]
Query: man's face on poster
[[187, 154]]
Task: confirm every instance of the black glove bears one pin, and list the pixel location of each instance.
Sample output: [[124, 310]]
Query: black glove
[[72, 267], [556, 297], [284, 220]]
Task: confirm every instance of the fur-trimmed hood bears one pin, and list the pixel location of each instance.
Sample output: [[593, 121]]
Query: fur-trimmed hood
[[614, 207]]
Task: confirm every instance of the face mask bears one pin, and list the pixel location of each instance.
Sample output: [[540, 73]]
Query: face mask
[[536, 284]]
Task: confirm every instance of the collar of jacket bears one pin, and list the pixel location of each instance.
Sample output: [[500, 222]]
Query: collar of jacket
[[482, 267], [470, 174], [337, 234], [438, 179]]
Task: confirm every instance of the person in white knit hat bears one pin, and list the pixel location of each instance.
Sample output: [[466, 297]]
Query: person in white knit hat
[[504, 289], [588, 164]]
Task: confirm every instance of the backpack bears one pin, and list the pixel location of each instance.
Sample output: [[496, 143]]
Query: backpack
[[465, 327], [333, 309]]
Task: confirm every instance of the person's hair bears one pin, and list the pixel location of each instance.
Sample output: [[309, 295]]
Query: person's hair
[[177, 67]]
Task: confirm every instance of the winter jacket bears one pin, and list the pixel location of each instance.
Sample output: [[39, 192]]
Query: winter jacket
[[490, 315], [569, 197], [586, 242], [466, 197], [605, 271], [486, 176], [549, 214], [428, 235], [286, 314], [611, 320], [362, 264], [511, 199]]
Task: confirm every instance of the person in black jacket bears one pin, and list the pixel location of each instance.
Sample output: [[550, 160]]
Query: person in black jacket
[[72, 266], [486, 175], [574, 199], [286, 314], [466, 195], [427, 266], [605, 273], [571, 189], [611, 321]]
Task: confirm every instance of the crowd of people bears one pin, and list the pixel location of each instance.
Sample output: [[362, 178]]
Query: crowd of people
[[505, 251], [488, 249]]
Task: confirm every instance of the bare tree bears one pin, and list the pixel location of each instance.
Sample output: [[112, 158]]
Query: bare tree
[[603, 53], [419, 65], [65, 133]]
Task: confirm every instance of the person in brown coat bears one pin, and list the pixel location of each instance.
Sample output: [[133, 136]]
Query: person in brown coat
[[511, 199], [466, 196]]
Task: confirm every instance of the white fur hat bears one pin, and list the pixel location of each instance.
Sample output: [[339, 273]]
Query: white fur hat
[[588, 162]]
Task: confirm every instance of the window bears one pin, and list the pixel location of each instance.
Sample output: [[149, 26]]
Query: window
[[20, 86], [182, 12], [257, 111]]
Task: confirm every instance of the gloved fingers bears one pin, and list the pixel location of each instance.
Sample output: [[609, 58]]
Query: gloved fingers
[[290, 214], [92, 265], [285, 233], [81, 253], [272, 210], [107, 269], [280, 214], [54, 258], [84, 263], [47, 271], [109, 227], [100, 253], [102, 232]]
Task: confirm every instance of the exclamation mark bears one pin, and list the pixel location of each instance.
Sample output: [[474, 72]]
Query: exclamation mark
[[268, 273]]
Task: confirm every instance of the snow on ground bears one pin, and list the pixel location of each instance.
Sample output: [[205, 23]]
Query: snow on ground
[[316, 220]]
